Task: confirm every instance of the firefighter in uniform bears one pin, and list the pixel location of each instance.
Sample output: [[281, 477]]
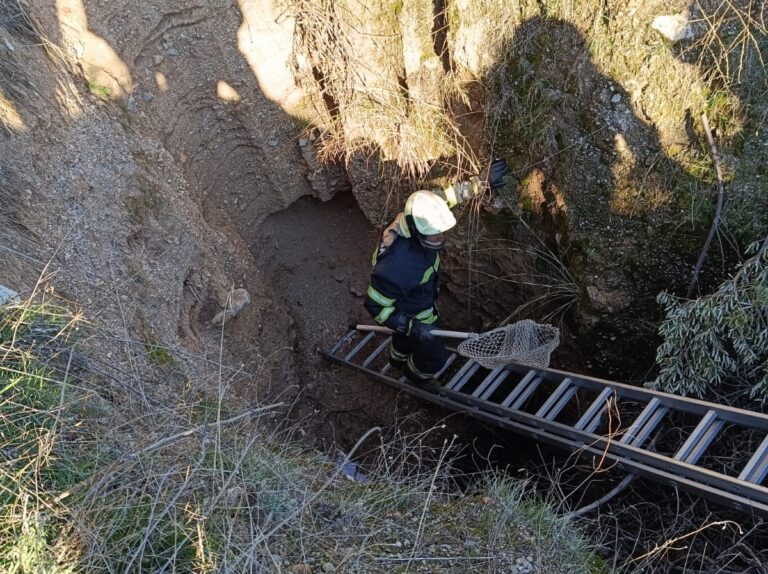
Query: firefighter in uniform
[[406, 274], [404, 284]]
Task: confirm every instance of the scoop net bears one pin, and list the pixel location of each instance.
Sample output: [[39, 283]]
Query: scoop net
[[525, 342]]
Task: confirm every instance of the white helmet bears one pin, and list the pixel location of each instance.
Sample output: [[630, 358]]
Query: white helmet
[[430, 213]]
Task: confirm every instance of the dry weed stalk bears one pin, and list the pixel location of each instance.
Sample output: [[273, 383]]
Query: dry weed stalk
[[353, 61]]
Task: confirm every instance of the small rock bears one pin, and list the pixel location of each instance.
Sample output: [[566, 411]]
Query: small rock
[[328, 567], [616, 98], [303, 142], [172, 51], [272, 142], [8, 296], [132, 104], [338, 277], [147, 96], [159, 59], [675, 27], [235, 303], [355, 290], [299, 569]]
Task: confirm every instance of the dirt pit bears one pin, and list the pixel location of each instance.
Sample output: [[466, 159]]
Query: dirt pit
[[317, 258]]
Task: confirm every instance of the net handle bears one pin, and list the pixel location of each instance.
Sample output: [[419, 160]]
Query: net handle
[[435, 332]]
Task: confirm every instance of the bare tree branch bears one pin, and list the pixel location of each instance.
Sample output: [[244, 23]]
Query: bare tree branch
[[718, 210]]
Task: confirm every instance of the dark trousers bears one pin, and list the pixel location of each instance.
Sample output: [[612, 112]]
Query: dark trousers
[[418, 361]]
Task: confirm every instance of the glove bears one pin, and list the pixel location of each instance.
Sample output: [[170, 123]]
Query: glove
[[405, 324], [400, 323], [421, 332], [463, 191], [497, 173]]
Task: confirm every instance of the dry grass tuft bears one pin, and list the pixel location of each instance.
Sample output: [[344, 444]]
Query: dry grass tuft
[[352, 57], [92, 481]]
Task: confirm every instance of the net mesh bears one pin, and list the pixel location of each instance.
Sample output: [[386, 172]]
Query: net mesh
[[526, 342]]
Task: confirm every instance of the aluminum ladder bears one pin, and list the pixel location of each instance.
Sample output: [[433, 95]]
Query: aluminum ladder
[[611, 421]]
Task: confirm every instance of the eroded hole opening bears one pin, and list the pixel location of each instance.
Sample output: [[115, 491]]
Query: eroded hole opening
[[316, 258]]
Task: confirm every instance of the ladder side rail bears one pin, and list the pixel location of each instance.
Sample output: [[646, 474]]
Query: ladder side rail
[[740, 417], [733, 500], [737, 416], [724, 497], [665, 463]]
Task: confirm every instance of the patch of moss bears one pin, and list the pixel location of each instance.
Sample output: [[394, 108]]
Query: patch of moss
[[158, 355], [101, 92]]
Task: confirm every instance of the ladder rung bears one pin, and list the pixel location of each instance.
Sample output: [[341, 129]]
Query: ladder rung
[[590, 419], [554, 398], [519, 388], [464, 374], [486, 382], [640, 422], [377, 352], [359, 346], [496, 384], [649, 427], [757, 467], [346, 338], [564, 400], [700, 438], [525, 393], [444, 368]]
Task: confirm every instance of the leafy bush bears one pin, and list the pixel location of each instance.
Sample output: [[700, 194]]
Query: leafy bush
[[720, 339]]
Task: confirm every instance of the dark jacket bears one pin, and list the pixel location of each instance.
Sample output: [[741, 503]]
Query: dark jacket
[[405, 279]]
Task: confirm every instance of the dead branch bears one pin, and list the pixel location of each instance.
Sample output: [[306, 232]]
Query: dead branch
[[608, 496], [718, 210], [171, 439]]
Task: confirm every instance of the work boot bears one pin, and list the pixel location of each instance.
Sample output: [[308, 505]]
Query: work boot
[[396, 359], [416, 377]]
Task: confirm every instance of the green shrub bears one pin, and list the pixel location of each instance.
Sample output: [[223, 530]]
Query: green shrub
[[718, 339]]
